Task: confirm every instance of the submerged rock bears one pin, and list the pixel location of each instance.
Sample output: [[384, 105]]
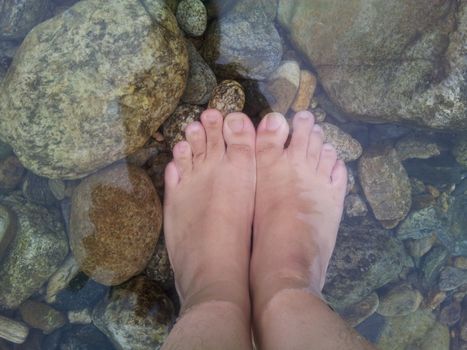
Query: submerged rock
[[174, 127], [11, 174], [432, 264], [159, 269], [80, 93], [393, 61], [18, 17], [228, 97], [399, 300], [244, 43], [366, 258], [116, 217], [452, 278], [460, 151], [41, 316], [136, 315], [416, 146], [348, 149], [8, 227], [359, 312], [84, 338], [385, 184], [192, 17], [283, 86], [36, 252]]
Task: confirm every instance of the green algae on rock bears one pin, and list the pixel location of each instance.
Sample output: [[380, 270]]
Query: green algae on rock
[[36, 252], [116, 218], [136, 316], [393, 61], [89, 86]]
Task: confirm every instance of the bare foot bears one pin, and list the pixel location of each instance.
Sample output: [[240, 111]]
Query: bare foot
[[299, 199], [208, 210]]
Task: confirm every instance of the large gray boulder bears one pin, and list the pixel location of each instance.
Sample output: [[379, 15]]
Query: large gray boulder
[[89, 86], [387, 60]]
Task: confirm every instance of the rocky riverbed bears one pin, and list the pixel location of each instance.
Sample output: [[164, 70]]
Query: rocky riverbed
[[93, 94]]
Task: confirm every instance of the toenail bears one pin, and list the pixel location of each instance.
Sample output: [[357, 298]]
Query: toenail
[[273, 122], [236, 124], [304, 115], [212, 117], [317, 128], [328, 147]]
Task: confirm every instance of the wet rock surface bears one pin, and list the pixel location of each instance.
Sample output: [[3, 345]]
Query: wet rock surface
[[37, 250], [228, 97], [11, 173], [347, 147], [399, 300], [174, 128], [116, 217], [41, 316], [136, 315], [108, 107], [8, 227]]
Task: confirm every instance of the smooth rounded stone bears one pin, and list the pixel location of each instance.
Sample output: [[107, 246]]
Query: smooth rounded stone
[[283, 85], [432, 263], [439, 171], [80, 293], [451, 278], [410, 332], [305, 92], [5, 150], [11, 174], [419, 247], [460, 262], [434, 299], [174, 127], [399, 300], [201, 79], [136, 316], [116, 218], [243, 44], [41, 316], [80, 316], [157, 169], [60, 279], [438, 338], [319, 114], [450, 314], [8, 228], [348, 149], [366, 258], [420, 224], [13, 331], [355, 206], [58, 188], [36, 189], [159, 268], [36, 252], [18, 17], [144, 155], [110, 107], [192, 17], [459, 151], [385, 184], [86, 337], [359, 312], [417, 146], [364, 53], [228, 97]]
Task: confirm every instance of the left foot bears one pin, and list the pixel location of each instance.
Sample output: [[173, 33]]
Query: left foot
[[208, 210]]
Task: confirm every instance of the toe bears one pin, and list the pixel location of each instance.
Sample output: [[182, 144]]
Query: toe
[[302, 125], [171, 177], [183, 158], [339, 175], [239, 134], [327, 160], [212, 121], [315, 144], [272, 135], [196, 137]]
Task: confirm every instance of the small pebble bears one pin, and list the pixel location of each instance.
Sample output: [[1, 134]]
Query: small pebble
[[450, 314], [452, 278], [61, 278], [434, 299], [41, 316], [13, 331], [159, 269], [11, 173], [228, 97], [348, 149], [359, 312], [283, 85], [192, 17], [415, 146], [400, 300], [83, 316], [58, 188], [305, 91], [320, 114], [36, 189], [174, 127], [355, 206], [419, 247]]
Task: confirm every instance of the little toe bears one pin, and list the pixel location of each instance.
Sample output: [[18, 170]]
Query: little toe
[[171, 177], [315, 144], [239, 134], [339, 175], [212, 121], [302, 125], [196, 137], [272, 135], [327, 160], [183, 158]]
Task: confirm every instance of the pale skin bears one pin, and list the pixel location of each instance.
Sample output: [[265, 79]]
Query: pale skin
[[227, 178]]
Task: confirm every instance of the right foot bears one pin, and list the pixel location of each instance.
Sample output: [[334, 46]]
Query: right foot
[[299, 199]]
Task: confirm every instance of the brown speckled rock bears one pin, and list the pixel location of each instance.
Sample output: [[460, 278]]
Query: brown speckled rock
[[174, 127], [90, 86], [159, 269], [116, 217], [41, 316], [283, 86], [305, 91], [228, 97], [347, 147], [385, 184], [11, 173]]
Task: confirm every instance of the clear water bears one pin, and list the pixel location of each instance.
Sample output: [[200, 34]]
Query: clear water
[[102, 90]]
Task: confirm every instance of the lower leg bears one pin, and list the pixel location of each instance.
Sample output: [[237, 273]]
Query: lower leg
[[211, 325]]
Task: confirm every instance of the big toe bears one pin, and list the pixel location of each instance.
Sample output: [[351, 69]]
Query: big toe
[[272, 135], [239, 135]]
